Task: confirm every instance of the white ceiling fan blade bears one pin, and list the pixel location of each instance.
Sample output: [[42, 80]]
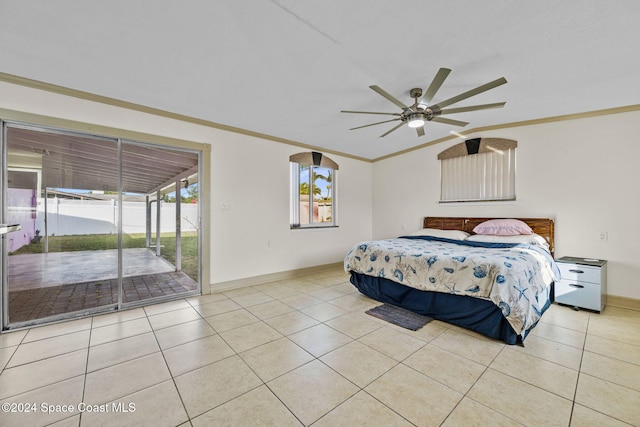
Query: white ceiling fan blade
[[369, 112], [438, 80], [449, 121], [373, 124], [485, 87], [388, 96], [391, 130], [470, 108]]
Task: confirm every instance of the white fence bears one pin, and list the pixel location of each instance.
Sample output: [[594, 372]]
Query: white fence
[[67, 217]]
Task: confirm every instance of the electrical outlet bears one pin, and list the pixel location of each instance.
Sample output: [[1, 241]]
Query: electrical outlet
[[603, 236], [403, 227]]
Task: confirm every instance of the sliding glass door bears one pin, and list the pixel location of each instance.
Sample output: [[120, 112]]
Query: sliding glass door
[[64, 258], [97, 224], [152, 218]]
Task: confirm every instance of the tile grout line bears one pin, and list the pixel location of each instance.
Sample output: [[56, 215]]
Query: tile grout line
[[314, 357], [575, 391], [173, 379], [485, 370], [263, 383], [86, 370]]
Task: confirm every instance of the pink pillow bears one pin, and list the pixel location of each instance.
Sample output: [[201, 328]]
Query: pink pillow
[[503, 227]]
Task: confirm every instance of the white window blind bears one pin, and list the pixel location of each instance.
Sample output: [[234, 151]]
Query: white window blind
[[488, 176]]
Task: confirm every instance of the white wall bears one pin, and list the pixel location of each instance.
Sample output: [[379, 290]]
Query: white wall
[[584, 173], [251, 174], [251, 177]]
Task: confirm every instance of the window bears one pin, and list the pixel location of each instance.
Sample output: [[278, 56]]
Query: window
[[313, 190], [481, 169]]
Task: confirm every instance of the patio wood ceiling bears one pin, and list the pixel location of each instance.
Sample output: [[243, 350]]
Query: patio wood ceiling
[[91, 163]]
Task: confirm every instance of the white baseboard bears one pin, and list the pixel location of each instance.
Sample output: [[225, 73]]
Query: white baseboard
[[271, 277]]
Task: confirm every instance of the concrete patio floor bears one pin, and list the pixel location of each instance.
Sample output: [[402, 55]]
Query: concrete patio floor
[[42, 285], [34, 271]]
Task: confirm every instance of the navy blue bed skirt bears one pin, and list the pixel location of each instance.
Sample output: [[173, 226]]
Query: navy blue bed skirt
[[476, 314]]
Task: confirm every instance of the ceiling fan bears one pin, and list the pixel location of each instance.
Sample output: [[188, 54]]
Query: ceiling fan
[[420, 112]]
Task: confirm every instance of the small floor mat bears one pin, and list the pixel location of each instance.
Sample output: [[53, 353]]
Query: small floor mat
[[399, 316]]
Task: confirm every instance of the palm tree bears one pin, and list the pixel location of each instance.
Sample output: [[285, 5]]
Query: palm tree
[[329, 179], [304, 189], [304, 186]]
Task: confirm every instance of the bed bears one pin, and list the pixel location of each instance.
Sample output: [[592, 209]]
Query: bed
[[499, 287]]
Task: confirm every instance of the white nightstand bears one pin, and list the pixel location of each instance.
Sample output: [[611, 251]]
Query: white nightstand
[[583, 283]]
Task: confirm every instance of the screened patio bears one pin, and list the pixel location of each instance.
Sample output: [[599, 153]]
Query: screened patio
[[50, 272]]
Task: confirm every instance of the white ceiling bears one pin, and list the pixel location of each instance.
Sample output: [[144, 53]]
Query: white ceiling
[[286, 68]]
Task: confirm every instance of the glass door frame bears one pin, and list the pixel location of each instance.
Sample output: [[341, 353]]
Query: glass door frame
[[5, 325], [198, 291]]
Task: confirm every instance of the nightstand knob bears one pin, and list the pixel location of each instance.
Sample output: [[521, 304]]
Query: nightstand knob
[[576, 271], [575, 285]]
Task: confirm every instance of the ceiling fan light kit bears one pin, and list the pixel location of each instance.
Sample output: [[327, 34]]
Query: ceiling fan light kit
[[415, 120], [420, 112]]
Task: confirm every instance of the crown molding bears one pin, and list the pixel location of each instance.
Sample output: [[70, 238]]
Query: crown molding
[[575, 116], [61, 90]]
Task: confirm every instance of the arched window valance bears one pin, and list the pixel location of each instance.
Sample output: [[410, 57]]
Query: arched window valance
[[478, 145], [314, 158]]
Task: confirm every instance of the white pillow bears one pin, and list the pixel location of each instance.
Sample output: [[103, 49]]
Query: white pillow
[[446, 234], [529, 239]]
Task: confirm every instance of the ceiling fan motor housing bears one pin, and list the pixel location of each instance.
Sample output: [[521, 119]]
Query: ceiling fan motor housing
[[422, 114]]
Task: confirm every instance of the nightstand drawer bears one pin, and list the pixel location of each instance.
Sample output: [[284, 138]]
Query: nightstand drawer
[[580, 273], [579, 294]]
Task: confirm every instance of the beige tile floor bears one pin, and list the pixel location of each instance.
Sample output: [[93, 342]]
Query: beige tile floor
[[302, 352]]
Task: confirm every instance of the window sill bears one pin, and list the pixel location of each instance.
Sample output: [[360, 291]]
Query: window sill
[[317, 227], [477, 202]]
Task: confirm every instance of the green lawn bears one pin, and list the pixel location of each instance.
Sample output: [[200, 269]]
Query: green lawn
[[96, 242]]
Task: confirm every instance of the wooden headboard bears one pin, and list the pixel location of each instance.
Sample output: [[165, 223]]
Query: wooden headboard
[[541, 226]]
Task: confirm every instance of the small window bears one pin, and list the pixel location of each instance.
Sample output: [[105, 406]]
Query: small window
[[481, 169], [313, 190]]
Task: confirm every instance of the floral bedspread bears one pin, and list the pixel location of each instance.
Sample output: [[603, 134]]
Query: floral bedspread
[[512, 276]]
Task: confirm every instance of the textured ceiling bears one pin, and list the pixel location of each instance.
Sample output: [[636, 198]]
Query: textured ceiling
[[286, 68]]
